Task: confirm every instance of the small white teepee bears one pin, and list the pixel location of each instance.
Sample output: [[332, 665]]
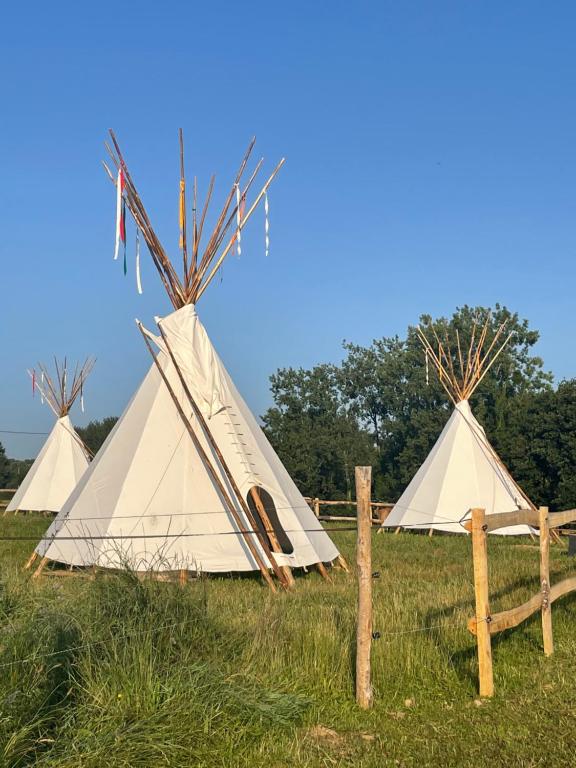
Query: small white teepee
[[187, 481], [63, 458], [462, 471]]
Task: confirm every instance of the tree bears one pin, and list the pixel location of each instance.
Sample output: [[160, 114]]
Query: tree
[[539, 442], [4, 469], [96, 432], [318, 441]]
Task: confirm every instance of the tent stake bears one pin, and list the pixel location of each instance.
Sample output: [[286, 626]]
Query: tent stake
[[30, 560], [40, 568]]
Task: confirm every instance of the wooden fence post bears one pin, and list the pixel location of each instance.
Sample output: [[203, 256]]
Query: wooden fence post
[[364, 694], [545, 581], [480, 557]]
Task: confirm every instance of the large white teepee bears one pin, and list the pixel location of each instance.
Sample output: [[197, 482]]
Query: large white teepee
[[462, 471], [187, 480], [148, 479], [63, 458]]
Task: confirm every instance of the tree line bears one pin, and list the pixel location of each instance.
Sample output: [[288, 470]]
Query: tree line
[[383, 406]]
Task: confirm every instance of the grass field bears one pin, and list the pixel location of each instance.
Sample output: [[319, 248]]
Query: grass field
[[222, 673]]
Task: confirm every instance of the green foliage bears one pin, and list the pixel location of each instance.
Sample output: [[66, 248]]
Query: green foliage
[[538, 439], [379, 406], [314, 435], [4, 468], [96, 432], [17, 470]]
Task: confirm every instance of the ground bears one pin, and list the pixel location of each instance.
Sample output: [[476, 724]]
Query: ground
[[122, 674]]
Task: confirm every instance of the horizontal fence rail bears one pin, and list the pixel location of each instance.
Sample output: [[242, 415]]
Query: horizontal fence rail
[[380, 509], [485, 624]]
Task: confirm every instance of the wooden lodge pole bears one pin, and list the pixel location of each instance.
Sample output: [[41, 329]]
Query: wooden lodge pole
[[275, 544], [545, 581], [480, 557], [364, 694], [283, 573], [213, 474]]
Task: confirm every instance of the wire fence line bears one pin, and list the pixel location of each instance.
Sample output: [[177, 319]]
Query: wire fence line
[[426, 521], [147, 630], [109, 537]]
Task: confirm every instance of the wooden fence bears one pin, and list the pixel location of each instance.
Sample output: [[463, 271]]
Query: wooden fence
[[486, 624], [380, 509]]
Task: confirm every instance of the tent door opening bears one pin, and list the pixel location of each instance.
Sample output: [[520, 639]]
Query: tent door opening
[[262, 506]]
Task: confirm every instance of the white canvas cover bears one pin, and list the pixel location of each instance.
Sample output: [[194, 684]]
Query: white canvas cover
[[55, 472], [149, 480], [461, 471]]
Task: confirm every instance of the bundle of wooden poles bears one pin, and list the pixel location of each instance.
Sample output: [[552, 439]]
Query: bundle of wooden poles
[[60, 390], [199, 264], [461, 367]]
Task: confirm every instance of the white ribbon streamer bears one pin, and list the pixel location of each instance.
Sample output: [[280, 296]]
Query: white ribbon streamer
[[238, 234], [266, 224], [427, 372], [138, 280], [41, 389], [82, 403], [118, 212]]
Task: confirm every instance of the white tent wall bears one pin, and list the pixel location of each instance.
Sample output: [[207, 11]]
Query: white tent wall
[[55, 472], [461, 471], [149, 479]]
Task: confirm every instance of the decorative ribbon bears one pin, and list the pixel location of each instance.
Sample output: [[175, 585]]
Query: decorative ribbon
[[266, 224], [238, 219], [42, 389], [138, 280], [427, 371], [120, 225], [33, 382], [82, 397], [182, 211]]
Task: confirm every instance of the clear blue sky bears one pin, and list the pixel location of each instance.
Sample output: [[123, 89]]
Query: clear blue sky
[[431, 162]]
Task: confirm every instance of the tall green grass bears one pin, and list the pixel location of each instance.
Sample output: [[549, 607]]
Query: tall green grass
[[118, 672]]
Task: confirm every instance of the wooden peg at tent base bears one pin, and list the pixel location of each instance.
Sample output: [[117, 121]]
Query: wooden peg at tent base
[[30, 560], [323, 572], [40, 568], [341, 560]]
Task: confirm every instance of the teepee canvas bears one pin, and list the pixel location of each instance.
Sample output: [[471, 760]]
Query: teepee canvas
[[63, 458], [462, 470], [187, 481]]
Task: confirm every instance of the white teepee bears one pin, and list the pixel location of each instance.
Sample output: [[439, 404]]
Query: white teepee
[[55, 472], [148, 494], [63, 458], [462, 471], [187, 481]]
